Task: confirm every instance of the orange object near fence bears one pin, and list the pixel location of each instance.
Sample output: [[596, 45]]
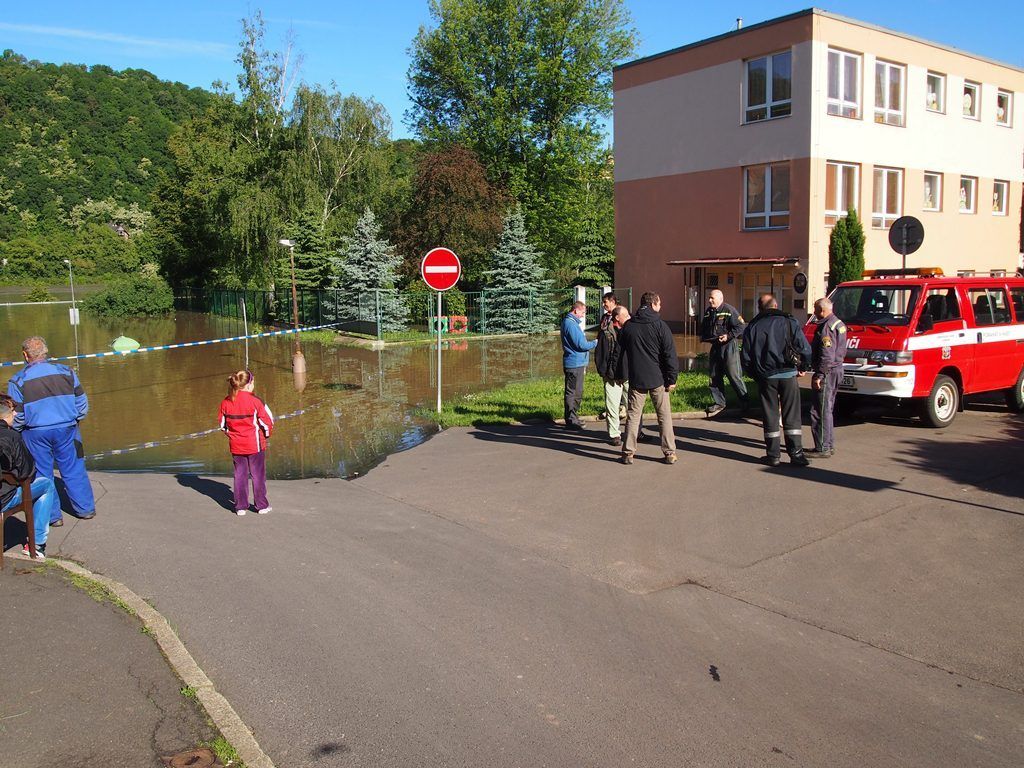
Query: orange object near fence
[[458, 323]]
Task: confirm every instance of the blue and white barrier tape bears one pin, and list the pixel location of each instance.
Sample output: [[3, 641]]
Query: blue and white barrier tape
[[182, 345], [182, 438]]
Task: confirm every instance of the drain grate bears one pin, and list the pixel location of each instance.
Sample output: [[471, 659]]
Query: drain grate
[[194, 758]]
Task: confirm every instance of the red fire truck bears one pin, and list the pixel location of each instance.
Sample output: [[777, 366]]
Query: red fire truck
[[928, 339]]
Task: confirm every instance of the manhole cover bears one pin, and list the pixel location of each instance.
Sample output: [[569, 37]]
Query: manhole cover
[[194, 758]]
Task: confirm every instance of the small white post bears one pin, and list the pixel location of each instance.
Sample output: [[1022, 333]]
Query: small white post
[[580, 293]]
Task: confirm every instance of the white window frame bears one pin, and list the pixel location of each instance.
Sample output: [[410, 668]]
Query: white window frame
[[832, 215], [767, 213], [969, 202], [937, 203], [885, 111], [771, 104], [1007, 120], [1004, 209], [879, 218], [940, 96], [840, 106], [975, 88]]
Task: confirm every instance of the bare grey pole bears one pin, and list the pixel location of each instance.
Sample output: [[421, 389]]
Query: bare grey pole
[[74, 309], [439, 293]]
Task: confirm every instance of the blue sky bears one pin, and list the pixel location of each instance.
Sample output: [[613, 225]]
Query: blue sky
[[362, 46]]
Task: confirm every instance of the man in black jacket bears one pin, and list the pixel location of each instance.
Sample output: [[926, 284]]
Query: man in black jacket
[[775, 352], [653, 368], [15, 458], [721, 327]]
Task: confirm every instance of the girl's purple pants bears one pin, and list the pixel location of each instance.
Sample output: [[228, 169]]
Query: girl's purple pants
[[255, 466]]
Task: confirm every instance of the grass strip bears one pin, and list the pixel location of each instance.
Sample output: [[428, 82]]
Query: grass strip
[[541, 399]]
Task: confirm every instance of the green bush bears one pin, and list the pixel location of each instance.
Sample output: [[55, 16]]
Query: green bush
[[132, 295], [40, 293]]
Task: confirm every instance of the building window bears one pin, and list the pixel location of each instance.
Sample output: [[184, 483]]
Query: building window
[[1004, 108], [889, 80], [888, 197], [766, 191], [840, 190], [932, 191], [935, 101], [769, 87], [843, 84], [968, 194], [972, 95], [1000, 193]]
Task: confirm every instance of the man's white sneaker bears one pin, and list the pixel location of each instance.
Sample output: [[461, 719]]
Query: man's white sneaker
[[264, 510]]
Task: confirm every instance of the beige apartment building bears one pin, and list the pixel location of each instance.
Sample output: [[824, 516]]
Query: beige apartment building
[[735, 155]]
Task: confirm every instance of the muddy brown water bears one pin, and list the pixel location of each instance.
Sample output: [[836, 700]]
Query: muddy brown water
[[157, 411]]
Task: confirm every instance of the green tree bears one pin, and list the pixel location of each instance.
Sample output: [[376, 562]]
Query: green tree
[[312, 254], [517, 298], [594, 261], [368, 271], [845, 250], [526, 85], [338, 138]]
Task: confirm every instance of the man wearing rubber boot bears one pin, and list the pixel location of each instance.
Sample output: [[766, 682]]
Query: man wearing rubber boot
[[828, 349], [50, 402], [721, 327], [774, 353]]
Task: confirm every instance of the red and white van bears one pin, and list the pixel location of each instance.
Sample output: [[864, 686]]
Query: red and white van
[[931, 339]]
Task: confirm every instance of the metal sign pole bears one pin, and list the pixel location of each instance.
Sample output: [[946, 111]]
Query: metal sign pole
[[438, 321], [245, 326]]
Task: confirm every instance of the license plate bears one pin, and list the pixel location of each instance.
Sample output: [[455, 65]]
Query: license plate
[[847, 383]]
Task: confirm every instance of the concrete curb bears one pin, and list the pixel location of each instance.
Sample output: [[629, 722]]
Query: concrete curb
[[217, 707]]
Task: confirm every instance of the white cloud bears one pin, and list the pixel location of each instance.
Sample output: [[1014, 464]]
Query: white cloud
[[152, 45]]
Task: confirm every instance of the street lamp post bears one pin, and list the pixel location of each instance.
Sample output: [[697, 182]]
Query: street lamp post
[[298, 359], [74, 308]]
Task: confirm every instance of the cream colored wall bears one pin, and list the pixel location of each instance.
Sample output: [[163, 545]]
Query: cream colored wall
[[946, 143], [694, 121]]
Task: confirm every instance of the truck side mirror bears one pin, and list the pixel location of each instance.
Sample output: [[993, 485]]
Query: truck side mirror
[[925, 323]]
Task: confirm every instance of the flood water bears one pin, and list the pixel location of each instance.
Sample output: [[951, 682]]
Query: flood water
[[157, 411]]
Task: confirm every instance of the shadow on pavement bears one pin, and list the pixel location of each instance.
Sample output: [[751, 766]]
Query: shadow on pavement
[[551, 437], [212, 489], [988, 464], [15, 532]]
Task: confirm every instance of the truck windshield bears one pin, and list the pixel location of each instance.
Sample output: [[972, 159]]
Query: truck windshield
[[875, 304]]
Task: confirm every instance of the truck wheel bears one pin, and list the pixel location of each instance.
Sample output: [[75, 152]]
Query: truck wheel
[[940, 408], [1015, 395]]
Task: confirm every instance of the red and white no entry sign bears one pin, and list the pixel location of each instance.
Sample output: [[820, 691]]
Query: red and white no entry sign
[[441, 269]]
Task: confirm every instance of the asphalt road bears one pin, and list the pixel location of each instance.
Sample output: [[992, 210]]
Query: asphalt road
[[516, 597]]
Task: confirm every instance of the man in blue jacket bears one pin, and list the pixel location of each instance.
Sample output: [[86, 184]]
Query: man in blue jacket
[[50, 402], [575, 356]]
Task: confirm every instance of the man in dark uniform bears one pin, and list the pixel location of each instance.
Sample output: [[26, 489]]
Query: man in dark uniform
[[828, 349], [721, 327], [775, 353]]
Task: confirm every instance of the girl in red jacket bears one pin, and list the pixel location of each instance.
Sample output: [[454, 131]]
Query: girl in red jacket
[[248, 424]]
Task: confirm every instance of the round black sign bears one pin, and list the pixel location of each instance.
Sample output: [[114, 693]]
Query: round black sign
[[800, 282], [906, 235]]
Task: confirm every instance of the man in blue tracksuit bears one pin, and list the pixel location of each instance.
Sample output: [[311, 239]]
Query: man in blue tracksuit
[[575, 356], [50, 402]]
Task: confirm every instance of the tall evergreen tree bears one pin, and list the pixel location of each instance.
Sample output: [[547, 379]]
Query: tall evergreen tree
[[367, 270], [312, 254], [845, 250], [594, 262], [518, 297]]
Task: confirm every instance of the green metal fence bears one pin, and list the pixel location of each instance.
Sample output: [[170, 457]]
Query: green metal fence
[[393, 314]]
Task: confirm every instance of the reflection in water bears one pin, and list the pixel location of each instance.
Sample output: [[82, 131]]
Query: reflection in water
[[156, 411]]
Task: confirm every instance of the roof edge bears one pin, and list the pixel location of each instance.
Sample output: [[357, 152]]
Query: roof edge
[[829, 15]]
